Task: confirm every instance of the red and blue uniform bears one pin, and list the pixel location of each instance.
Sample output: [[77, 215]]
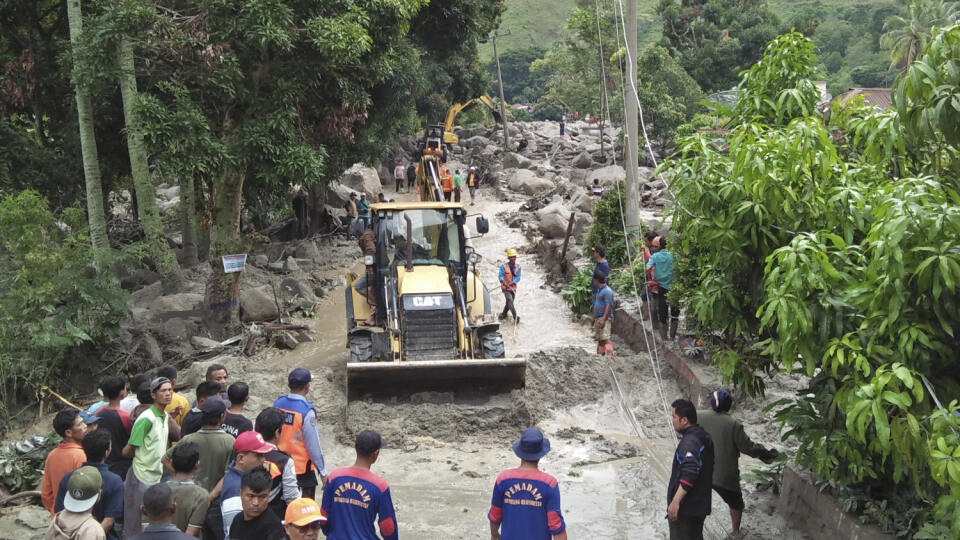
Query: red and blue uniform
[[353, 500], [526, 504]]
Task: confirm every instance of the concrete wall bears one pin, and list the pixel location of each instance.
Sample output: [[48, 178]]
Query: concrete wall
[[801, 504]]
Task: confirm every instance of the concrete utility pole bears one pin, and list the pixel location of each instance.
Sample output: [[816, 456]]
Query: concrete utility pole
[[630, 143], [503, 110]]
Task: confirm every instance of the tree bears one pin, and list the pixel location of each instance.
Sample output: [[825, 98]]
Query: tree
[[907, 35], [88, 144], [519, 84], [716, 39], [833, 250]]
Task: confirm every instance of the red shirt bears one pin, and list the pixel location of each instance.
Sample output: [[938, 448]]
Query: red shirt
[[66, 457]]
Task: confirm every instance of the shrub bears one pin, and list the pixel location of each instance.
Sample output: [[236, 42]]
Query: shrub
[[578, 294], [607, 228], [51, 298]]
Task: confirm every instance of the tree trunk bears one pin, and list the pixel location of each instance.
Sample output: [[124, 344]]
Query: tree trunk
[[88, 148], [188, 209], [221, 297], [146, 194]]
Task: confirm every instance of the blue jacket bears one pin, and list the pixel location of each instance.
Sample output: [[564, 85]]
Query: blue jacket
[[693, 467]]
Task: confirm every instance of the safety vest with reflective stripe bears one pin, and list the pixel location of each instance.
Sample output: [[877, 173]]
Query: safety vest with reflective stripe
[[291, 434], [508, 276], [472, 179]]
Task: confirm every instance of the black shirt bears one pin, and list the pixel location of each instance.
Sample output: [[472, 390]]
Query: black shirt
[[235, 424], [111, 422], [267, 526], [192, 422]]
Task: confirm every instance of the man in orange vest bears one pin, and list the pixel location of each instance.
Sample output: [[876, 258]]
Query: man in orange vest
[[446, 183], [299, 436], [472, 183], [509, 277]]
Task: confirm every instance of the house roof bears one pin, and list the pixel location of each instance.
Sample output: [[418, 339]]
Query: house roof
[[878, 97]]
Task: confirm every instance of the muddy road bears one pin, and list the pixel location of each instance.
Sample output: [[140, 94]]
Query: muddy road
[[612, 448]]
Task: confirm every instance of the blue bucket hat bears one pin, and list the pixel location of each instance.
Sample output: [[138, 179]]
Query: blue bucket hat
[[532, 445]]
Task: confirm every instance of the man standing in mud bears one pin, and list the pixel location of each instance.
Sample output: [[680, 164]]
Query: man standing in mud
[[509, 277], [354, 498], [526, 500], [691, 478], [729, 441]]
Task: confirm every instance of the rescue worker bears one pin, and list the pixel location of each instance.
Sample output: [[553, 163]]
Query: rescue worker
[[364, 285], [691, 478], [457, 185], [298, 436], [398, 174], [446, 183], [473, 182], [509, 277], [411, 177]]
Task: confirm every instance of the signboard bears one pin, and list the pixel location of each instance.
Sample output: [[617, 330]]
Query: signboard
[[234, 263]]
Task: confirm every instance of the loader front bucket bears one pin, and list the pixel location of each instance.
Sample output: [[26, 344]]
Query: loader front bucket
[[399, 378]]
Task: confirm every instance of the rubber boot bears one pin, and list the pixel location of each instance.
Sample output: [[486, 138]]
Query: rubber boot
[[674, 325]]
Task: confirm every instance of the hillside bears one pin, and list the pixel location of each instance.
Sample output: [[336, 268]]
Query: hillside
[[542, 22]]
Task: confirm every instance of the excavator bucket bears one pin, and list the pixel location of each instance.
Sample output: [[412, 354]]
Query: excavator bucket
[[386, 379]]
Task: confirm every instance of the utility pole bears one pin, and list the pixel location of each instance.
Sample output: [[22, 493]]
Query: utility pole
[[503, 110], [630, 109]]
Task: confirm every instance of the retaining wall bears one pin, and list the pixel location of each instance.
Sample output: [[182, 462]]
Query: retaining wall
[[801, 504]]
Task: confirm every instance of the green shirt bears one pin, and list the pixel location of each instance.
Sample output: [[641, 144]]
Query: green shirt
[[215, 446], [662, 264], [457, 181], [149, 435], [729, 441], [191, 502]]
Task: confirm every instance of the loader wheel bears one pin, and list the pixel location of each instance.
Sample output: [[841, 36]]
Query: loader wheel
[[361, 348], [492, 343]]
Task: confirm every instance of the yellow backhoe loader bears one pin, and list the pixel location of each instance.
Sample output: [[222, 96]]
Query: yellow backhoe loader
[[434, 328]]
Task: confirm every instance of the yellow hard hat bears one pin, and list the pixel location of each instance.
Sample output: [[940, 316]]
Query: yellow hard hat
[[511, 252]]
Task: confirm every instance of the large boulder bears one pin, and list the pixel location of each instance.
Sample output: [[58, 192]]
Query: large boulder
[[527, 182], [584, 202], [513, 160], [477, 141], [555, 207], [361, 178], [258, 305], [554, 226], [582, 161], [608, 175], [175, 303]]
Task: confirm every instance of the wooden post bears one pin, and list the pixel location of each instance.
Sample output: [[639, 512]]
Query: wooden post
[[566, 242]]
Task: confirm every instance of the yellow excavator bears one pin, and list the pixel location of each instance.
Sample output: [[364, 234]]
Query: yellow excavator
[[433, 323], [456, 108]]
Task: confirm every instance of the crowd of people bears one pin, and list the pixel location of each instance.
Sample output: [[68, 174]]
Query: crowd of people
[[226, 477]]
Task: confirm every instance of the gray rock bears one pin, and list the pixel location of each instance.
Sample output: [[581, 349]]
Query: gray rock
[[525, 181], [34, 517], [276, 266], [513, 160], [176, 329], [308, 250], [175, 302], [361, 178], [145, 296], [555, 207], [476, 141], [260, 261], [554, 226], [152, 349], [9, 528], [290, 265], [201, 343], [584, 202], [608, 175], [258, 305], [582, 161]]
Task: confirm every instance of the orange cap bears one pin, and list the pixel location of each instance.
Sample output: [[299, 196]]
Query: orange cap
[[303, 511]]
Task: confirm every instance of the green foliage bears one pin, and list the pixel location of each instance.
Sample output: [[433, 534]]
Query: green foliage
[[607, 227], [907, 35], [715, 39], [578, 293], [833, 249], [519, 84], [51, 299]]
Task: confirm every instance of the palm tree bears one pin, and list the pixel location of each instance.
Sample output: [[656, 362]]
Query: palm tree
[[907, 36]]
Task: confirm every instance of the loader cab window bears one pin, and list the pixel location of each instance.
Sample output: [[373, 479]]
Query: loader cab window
[[434, 235]]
